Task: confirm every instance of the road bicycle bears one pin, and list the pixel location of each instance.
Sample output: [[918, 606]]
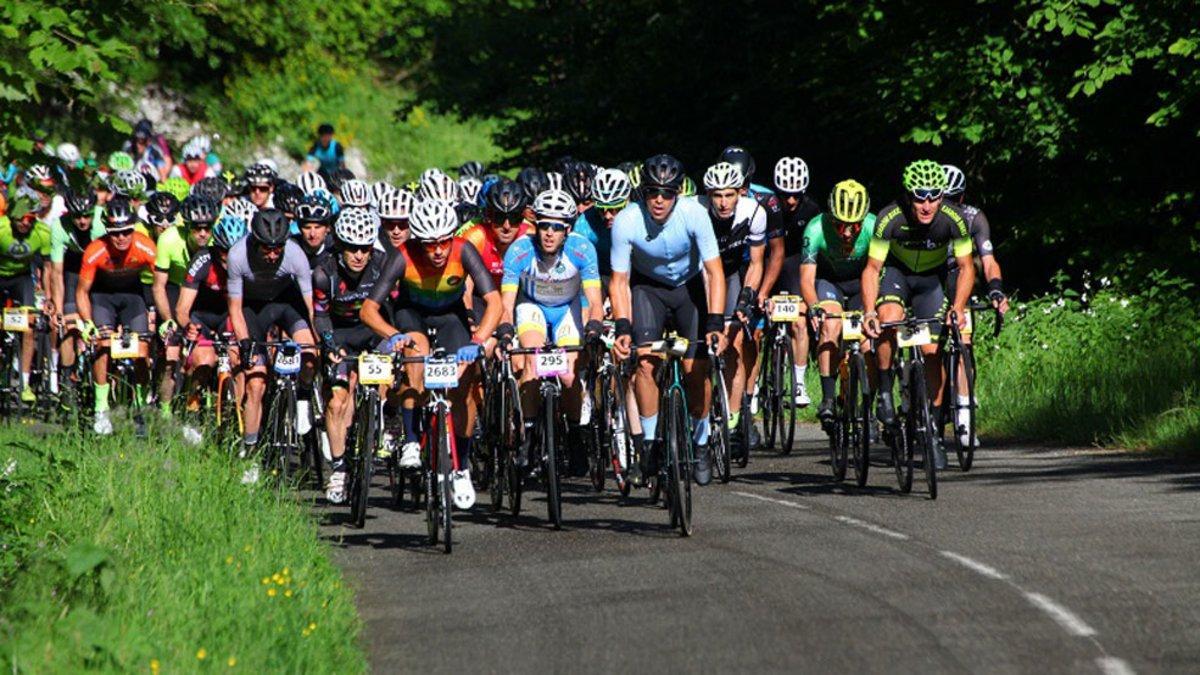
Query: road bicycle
[[610, 443], [850, 429], [777, 374], [961, 357], [674, 448], [913, 431]]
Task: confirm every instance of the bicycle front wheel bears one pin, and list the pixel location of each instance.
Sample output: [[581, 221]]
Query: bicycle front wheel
[[679, 468], [859, 422], [922, 425], [718, 433], [788, 411], [550, 447], [445, 469]]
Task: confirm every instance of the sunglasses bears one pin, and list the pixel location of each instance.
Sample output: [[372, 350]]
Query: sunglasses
[[437, 243], [121, 233], [363, 248], [271, 250], [665, 193], [926, 194], [508, 221], [393, 224], [551, 225], [260, 188], [201, 227], [614, 207]]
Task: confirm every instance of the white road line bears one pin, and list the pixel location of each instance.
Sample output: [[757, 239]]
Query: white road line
[[1061, 615], [972, 564], [784, 502], [871, 527], [1111, 665]]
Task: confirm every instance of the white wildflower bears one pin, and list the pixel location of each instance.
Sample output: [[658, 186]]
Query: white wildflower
[[9, 468], [1045, 346], [1060, 302], [1124, 302], [1104, 282]]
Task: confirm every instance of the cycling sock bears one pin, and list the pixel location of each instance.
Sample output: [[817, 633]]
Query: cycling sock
[[828, 387], [700, 430], [102, 398], [798, 376], [649, 426], [964, 415], [338, 464], [25, 380], [250, 440], [139, 394], [734, 418], [462, 446], [409, 418]]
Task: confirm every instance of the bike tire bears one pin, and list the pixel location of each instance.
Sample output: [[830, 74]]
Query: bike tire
[[790, 411], [550, 447], [514, 426], [679, 463], [368, 432], [922, 423], [967, 460], [765, 394], [600, 455], [445, 468], [773, 402], [718, 433], [902, 455], [859, 422]]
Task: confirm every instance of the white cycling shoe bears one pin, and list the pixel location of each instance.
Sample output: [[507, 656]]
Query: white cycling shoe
[[102, 424], [462, 489], [410, 455], [335, 491], [800, 397]]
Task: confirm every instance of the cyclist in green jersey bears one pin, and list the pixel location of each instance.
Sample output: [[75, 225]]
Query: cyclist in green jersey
[[67, 242], [24, 246], [831, 264]]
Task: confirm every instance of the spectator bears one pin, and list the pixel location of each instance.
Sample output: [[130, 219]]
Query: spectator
[[326, 154]]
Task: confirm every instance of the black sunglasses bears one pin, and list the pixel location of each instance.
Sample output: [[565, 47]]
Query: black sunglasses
[[665, 193], [551, 225]]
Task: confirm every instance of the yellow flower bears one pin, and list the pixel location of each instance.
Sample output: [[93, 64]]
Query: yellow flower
[[229, 560], [201, 654], [271, 592], [286, 572], [312, 626], [266, 580], [154, 666], [232, 661], [287, 593]]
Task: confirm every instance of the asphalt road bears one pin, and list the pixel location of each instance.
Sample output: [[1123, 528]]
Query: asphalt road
[[1038, 560]]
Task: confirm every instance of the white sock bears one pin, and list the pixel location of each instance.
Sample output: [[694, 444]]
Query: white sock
[[54, 372], [798, 376], [24, 380], [963, 413]]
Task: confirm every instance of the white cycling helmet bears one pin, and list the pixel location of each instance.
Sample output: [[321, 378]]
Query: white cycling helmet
[[311, 180], [130, 183], [556, 204], [432, 220], [791, 175], [69, 153], [956, 180], [378, 189], [355, 193], [242, 208], [439, 187], [193, 150], [723, 176], [470, 187], [42, 172], [554, 180], [203, 142], [270, 164], [429, 173], [611, 188], [396, 204], [356, 226]]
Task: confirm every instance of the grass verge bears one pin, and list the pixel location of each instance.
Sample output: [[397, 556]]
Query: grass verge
[[124, 555]]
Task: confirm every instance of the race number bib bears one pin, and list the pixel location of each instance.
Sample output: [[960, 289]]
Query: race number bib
[[550, 363], [375, 369], [124, 347], [16, 320], [907, 336], [441, 373], [287, 363], [785, 309], [852, 326]]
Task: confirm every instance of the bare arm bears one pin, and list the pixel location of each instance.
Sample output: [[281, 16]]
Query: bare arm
[[83, 300], [161, 302], [508, 300], [595, 303], [374, 320], [238, 319], [774, 267], [491, 317], [716, 285], [754, 271], [808, 284], [183, 308]]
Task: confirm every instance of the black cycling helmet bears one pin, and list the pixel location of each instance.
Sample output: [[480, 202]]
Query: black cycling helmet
[[739, 157], [662, 171], [288, 196], [314, 208], [270, 227], [563, 164], [162, 207], [259, 174], [213, 187], [533, 182], [118, 214], [577, 179], [506, 199], [199, 209], [82, 204]]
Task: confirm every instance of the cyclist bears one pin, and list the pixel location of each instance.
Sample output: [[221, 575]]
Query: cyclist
[[831, 267], [314, 215], [659, 251], [533, 182], [740, 225], [395, 207], [67, 243], [429, 271], [269, 284], [175, 251], [194, 167], [109, 299], [577, 179], [610, 193], [355, 193], [24, 251], [342, 279], [503, 223], [260, 184], [906, 265], [544, 278]]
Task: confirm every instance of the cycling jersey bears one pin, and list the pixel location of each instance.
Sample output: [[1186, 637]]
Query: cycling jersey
[[174, 254], [19, 252], [670, 253], [736, 234], [483, 237], [258, 280], [834, 260], [429, 288], [338, 293], [591, 226], [330, 157], [208, 277], [553, 281], [795, 222], [981, 234], [310, 254], [68, 242], [917, 249], [110, 270], [180, 170]]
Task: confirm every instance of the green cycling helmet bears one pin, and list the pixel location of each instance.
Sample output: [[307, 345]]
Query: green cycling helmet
[[176, 186], [120, 161], [687, 188], [924, 173]]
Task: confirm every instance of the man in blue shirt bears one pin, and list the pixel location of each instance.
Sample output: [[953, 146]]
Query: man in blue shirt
[[326, 154], [660, 246]]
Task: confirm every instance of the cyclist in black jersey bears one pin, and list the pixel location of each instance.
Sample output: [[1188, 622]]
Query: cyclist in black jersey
[[313, 213]]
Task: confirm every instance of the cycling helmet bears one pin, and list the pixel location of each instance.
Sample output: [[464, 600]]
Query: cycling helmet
[[120, 161], [440, 187], [378, 189], [161, 208], [130, 183], [739, 157], [314, 208], [242, 208], [432, 220], [579, 181], [270, 164], [470, 188], [237, 184], [287, 197], [119, 215], [688, 187], [176, 186], [69, 154], [355, 192], [506, 199], [723, 176], [270, 227], [311, 180], [470, 169], [337, 177], [924, 173], [213, 187], [554, 181], [39, 172], [956, 181], [396, 204], [193, 150], [357, 226], [556, 204], [532, 181], [259, 174], [611, 188], [635, 175], [791, 175], [228, 231], [199, 209], [83, 204], [663, 172], [849, 202]]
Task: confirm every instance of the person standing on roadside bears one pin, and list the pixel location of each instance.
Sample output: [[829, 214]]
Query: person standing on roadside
[[326, 154]]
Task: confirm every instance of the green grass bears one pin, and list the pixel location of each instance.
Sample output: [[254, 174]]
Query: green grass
[[121, 555]]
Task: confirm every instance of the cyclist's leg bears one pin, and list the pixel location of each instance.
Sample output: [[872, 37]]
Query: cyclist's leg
[[453, 333], [893, 294], [649, 312], [566, 329], [166, 385], [23, 292], [830, 299], [255, 370], [104, 316], [70, 314], [412, 389], [929, 302], [789, 282], [739, 355], [131, 317], [532, 331]]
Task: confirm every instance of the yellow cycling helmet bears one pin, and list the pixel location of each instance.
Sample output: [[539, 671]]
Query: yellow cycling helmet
[[849, 201]]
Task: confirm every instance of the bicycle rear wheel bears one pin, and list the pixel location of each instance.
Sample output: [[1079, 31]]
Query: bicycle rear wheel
[[550, 448], [679, 468], [789, 413], [599, 435], [966, 454], [367, 426], [859, 422], [922, 424], [718, 433]]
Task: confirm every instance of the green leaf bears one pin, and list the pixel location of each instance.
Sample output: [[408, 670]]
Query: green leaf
[[1182, 47], [82, 558]]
